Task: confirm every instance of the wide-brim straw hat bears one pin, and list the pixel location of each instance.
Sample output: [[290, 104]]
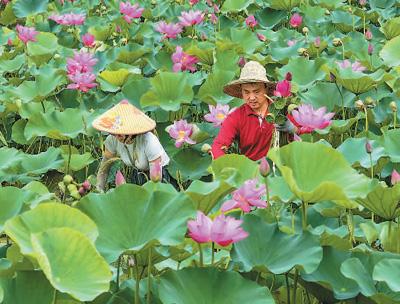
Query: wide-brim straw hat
[[251, 72], [124, 119]]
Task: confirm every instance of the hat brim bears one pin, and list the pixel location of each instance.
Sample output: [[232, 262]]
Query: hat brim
[[234, 88]]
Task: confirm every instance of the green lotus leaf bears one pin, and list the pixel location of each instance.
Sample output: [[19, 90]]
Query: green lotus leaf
[[17, 134], [116, 78], [358, 82], [27, 287], [210, 286], [101, 33], [386, 270], [352, 268], [235, 5], [279, 189], [25, 8], [242, 41], [7, 16], [391, 142], [390, 54], [255, 251], [11, 65], [391, 28], [206, 195], [168, 91], [283, 4], [282, 52], [133, 90], [226, 61], [43, 49], [132, 52], [203, 51], [344, 21], [304, 72], [77, 161], [71, 263], [389, 235], [190, 163], [143, 218], [315, 172], [328, 272], [44, 217], [211, 90]]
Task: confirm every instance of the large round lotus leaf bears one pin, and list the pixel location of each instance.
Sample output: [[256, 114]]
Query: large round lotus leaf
[[326, 94], [206, 195], [353, 149], [142, 217], [234, 169], [12, 200], [391, 142], [210, 286], [242, 41], [71, 263], [304, 72], [27, 287], [44, 217], [12, 65], [329, 272], [77, 161], [390, 237], [132, 52], [226, 61], [259, 249], [279, 189], [25, 8], [390, 52], [190, 163], [315, 172], [46, 44], [116, 78], [235, 5], [383, 201], [203, 51], [7, 16], [358, 82], [353, 269], [344, 21], [168, 91], [211, 90], [388, 270], [340, 126], [391, 28], [283, 4], [133, 90]]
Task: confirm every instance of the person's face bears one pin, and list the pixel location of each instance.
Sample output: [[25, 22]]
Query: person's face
[[254, 95], [125, 139]]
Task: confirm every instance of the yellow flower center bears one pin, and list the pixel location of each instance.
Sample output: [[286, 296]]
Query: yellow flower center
[[181, 134], [220, 116]]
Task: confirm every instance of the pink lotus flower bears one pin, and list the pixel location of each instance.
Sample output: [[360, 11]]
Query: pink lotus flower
[[296, 20], [130, 11], [170, 30], [264, 167], [119, 179], [306, 119], [181, 131], [370, 49], [214, 18], [182, 61], [26, 34], [226, 230], [82, 62], [283, 88], [216, 8], [69, 19], [191, 18], [261, 37], [356, 66], [88, 40], [395, 178], [362, 2], [82, 81], [193, 2], [200, 228], [156, 170], [246, 196], [291, 42], [251, 21], [9, 42], [317, 42], [86, 185], [218, 114], [241, 61], [368, 35]]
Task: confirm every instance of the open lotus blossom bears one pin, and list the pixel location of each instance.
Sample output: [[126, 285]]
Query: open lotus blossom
[[82, 62], [356, 66], [156, 170], [183, 61], [218, 114], [119, 178], [200, 228], [226, 230], [251, 21], [395, 178], [291, 42], [193, 2], [181, 131], [82, 81], [88, 40], [26, 33], [295, 20], [247, 196], [191, 18], [306, 119], [130, 11], [69, 19], [169, 30], [283, 88]]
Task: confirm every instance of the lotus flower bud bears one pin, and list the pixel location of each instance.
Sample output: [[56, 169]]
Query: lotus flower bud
[[359, 104], [368, 147], [264, 167], [395, 178], [86, 185], [327, 12], [56, 56], [393, 106], [350, 9], [337, 42], [119, 178], [205, 148], [156, 171], [291, 107], [82, 191], [362, 2], [68, 179], [305, 30]]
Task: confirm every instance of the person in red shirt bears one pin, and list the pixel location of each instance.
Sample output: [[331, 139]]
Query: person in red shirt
[[247, 123]]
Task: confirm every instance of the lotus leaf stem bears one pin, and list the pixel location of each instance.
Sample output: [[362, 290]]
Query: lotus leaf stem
[[55, 297], [69, 155], [394, 119], [137, 280], [366, 119], [149, 278], [118, 267], [372, 166], [212, 253], [287, 287], [296, 277], [304, 206], [201, 254]]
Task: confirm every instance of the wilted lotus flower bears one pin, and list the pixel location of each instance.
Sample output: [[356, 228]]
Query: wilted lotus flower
[[69, 19], [183, 61], [26, 34], [370, 49], [88, 40], [200, 229], [119, 178], [191, 18], [130, 11], [264, 167], [296, 20], [170, 30], [217, 114], [246, 196], [251, 21], [368, 35], [283, 88], [261, 37], [181, 131], [226, 230], [395, 178], [306, 119], [291, 42], [156, 171], [82, 81]]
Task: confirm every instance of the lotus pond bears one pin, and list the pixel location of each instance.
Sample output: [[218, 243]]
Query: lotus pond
[[318, 223]]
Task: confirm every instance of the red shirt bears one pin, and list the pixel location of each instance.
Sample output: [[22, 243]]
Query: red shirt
[[244, 125]]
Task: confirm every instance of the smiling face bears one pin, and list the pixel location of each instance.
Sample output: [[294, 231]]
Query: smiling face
[[254, 95]]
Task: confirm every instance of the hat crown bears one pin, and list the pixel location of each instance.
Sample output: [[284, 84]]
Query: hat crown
[[253, 70]]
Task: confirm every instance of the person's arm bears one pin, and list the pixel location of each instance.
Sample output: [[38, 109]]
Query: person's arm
[[225, 137], [104, 167]]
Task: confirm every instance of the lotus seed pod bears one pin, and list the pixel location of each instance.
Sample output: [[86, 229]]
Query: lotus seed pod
[[337, 42], [359, 104], [327, 12], [369, 101], [205, 148], [75, 194], [103, 7], [305, 30], [61, 186], [72, 188], [68, 179], [302, 51], [56, 56], [393, 106]]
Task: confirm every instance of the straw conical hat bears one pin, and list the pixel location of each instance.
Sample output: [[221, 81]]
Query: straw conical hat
[[251, 72], [124, 119]]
